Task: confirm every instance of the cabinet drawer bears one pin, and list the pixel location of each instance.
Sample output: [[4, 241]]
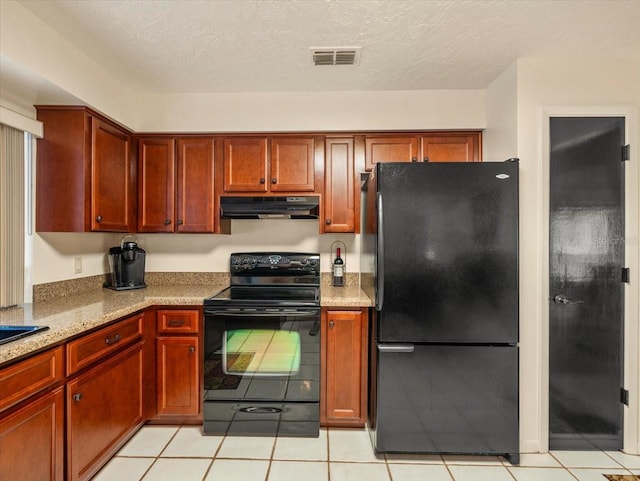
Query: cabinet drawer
[[92, 347], [30, 376], [178, 321]]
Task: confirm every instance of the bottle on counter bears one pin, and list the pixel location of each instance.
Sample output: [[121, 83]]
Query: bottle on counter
[[338, 270]]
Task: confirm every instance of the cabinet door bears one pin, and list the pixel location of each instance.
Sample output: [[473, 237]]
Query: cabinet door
[[195, 194], [111, 178], [104, 406], [390, 149], [292, 165], [32, 440], [451, 147], [245, 164], [339, 198], [156, 185], [178, 376], [344, 338]]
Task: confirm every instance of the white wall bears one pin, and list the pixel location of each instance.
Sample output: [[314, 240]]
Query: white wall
[[54, 253], [579, 85], [500, 138]]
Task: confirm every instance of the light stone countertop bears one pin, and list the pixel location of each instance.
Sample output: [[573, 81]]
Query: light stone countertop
[[69, 316]]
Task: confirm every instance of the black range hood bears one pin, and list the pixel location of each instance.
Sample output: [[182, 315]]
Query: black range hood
[[290, 207]]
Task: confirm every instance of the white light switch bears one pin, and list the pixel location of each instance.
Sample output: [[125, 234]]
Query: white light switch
[[77, 265]]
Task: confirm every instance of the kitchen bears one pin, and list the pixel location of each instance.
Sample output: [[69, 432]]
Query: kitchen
[[509, 110]]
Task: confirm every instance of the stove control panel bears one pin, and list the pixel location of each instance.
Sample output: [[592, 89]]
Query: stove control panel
[[255, 263]]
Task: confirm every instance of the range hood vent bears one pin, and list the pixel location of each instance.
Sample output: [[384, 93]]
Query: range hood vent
[[291, 207]]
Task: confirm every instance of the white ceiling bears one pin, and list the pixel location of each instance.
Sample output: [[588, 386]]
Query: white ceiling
[[182, 46]]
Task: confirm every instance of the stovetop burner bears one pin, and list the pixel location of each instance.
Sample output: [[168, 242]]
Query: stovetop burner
[[271, 279]]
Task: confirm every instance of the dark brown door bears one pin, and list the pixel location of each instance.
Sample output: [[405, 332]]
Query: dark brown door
[[245, 165], [339, 197], [451, 147], [292, 165], [390, 149], [111, 189], [178, 376], [586, 248], [195, 193], [156, 185]]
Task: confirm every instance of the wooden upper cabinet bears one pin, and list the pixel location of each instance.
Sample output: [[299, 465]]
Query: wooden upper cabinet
[[451, 147], [339, 186], [176, 192], [390, 149], [263, 165], [292, 165], [428, 147], [85, 173], [111, 180], [196, 201], [245, 164], [156, 185]]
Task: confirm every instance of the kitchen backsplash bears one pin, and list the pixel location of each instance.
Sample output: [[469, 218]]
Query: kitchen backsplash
[[50, 290]]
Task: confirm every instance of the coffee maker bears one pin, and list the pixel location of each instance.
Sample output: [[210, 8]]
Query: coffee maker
[[126, 263]]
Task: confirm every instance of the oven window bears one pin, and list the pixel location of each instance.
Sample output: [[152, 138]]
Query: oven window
[[261, 352]]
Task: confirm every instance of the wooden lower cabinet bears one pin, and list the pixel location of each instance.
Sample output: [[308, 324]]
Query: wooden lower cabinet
[[104, 405], [178, 376], [32, 440], [344, 366]]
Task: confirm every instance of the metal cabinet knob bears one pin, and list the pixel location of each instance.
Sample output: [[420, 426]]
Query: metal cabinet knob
[[332, 324], [76, 397], [179, 222], [328, 221], [192, 349], [99, 218], [274, 181], [262, 180], [414, 159], [426, 159], [167, 222]]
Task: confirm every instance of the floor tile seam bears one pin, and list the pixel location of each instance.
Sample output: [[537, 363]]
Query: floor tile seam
[[169, 441], [586, 467], [155, 460], [620, 462], [557, 468]]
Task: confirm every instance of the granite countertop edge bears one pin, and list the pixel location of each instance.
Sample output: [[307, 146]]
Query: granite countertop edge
[[70, 316]]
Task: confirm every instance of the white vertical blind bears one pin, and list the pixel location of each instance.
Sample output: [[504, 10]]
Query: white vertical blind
[[11, 216]]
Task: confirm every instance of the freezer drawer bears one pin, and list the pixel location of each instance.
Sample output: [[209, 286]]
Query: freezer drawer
[[445, 399]]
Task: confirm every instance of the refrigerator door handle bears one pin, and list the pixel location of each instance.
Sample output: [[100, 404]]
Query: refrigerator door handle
[[396, 347], [380, 255]]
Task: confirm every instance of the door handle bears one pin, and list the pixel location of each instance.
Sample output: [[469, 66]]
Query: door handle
[[562, 299]]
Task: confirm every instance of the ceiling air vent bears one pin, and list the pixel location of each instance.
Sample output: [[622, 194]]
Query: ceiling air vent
[[335, 55]]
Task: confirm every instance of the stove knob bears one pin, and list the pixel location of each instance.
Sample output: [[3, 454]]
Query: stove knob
[[303, 261], [313, 262], [235, 261], [245, 260], [254, 261]]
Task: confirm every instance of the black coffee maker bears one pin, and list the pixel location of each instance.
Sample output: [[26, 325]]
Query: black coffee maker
[[126, 263]]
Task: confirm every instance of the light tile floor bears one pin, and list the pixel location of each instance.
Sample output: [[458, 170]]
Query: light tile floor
[[159, 453]]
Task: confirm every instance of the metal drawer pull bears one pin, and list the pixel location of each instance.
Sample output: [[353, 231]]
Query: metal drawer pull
[[396, 348], [112, 340], [176, 322]]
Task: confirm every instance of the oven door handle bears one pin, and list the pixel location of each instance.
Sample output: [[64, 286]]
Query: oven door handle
[[270, 313]]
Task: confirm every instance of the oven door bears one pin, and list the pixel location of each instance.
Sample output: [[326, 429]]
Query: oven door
[[261, 371]]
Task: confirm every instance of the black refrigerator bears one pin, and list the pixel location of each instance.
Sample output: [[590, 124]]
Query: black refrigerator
[[440, 254]]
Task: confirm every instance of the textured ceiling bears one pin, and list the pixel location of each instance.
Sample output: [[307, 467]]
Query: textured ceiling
[[258, 45]]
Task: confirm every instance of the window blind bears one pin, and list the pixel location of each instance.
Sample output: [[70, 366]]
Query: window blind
[[12, 184]]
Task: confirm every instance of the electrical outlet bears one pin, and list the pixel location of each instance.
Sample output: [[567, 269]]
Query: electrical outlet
[[77, 265]]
